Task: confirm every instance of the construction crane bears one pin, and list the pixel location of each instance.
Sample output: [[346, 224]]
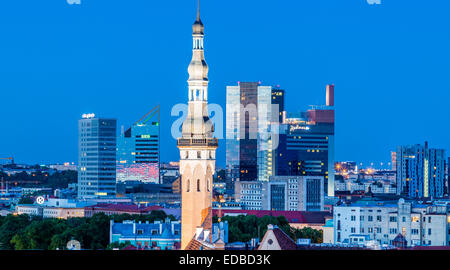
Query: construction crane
[[9, 158]]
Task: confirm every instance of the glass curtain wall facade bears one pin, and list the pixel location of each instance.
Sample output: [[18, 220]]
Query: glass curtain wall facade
[[96, 157], [306, 149], [138, 153], [251, 109]]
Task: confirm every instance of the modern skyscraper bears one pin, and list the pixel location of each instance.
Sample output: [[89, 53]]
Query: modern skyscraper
[[138, 150], [197, 148], [96, 157], [253, 111], [306, 144], [420, 171]]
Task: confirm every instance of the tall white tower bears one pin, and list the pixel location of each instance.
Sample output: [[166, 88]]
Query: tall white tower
[[197, 146]]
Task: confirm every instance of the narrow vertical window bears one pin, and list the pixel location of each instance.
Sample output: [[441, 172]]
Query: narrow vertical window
[[198, 185], [188, 184]]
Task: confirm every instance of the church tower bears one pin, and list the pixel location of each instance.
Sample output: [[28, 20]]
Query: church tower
[[197, 146]]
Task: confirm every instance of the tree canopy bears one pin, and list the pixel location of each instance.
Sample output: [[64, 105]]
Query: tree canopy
[[30, 232]]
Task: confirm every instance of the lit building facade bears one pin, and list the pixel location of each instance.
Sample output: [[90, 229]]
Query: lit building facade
[[96, 157], [282, 193], [306, 149], [252, 116], [138, 151], [420, 171], [419, 224], [152, 236], [306, 143], [197, 151]]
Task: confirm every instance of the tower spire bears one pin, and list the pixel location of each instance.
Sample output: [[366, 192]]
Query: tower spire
[[198, 10]]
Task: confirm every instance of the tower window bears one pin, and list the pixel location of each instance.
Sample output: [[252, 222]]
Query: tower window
[[188, 185], [199, 154], [198, 185]]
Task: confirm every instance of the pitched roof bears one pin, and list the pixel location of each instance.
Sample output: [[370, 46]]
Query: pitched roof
[[285, 242], [196, 245], [123, 208]]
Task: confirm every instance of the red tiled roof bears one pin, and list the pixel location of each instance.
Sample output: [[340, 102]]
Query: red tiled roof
[[308, 217], [123, 208], [130, 247], [196, 245], [285, 242]]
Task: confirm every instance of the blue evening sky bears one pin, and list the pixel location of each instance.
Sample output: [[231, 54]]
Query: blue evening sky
[[389, 62]]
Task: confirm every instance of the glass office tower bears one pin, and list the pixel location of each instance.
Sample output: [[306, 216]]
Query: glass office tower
[[306, 149], [96, 157], [252, 110], [138, 151]]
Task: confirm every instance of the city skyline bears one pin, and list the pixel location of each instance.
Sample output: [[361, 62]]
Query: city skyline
[[58, 79]]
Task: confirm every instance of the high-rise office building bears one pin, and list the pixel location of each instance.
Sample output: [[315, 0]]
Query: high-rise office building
[[138, 150], [253, 111], [306, 144], [96, 157], [420, 171]]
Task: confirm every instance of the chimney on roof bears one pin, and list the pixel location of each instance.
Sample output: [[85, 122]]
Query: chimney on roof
[[330, 95]]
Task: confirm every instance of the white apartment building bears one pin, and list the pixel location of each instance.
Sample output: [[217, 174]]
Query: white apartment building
[[282, 193], [420, 224]]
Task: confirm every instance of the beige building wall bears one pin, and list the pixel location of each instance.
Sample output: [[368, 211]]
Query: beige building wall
[[196, 194]]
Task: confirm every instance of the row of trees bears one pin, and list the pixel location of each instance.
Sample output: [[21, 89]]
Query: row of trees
[[59, 179], [30, 232], [244, 228]]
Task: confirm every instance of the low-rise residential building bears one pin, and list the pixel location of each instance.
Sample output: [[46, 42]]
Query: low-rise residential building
[[53, 208], [158, 235], [420, 223]]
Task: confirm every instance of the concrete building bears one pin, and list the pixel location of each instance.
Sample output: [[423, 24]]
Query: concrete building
[[282, 193], [328, 232], [420, 224], [54, 208], [96, 157]]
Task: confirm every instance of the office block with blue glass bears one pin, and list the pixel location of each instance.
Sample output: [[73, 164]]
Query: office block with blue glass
[[138, 150]]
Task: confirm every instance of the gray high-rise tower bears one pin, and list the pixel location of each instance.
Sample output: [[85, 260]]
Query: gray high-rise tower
[[96, 157]]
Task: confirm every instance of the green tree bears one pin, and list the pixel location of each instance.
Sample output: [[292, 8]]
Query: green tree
[[26, 200], [11, 226], [316, 236], [118, 245]]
